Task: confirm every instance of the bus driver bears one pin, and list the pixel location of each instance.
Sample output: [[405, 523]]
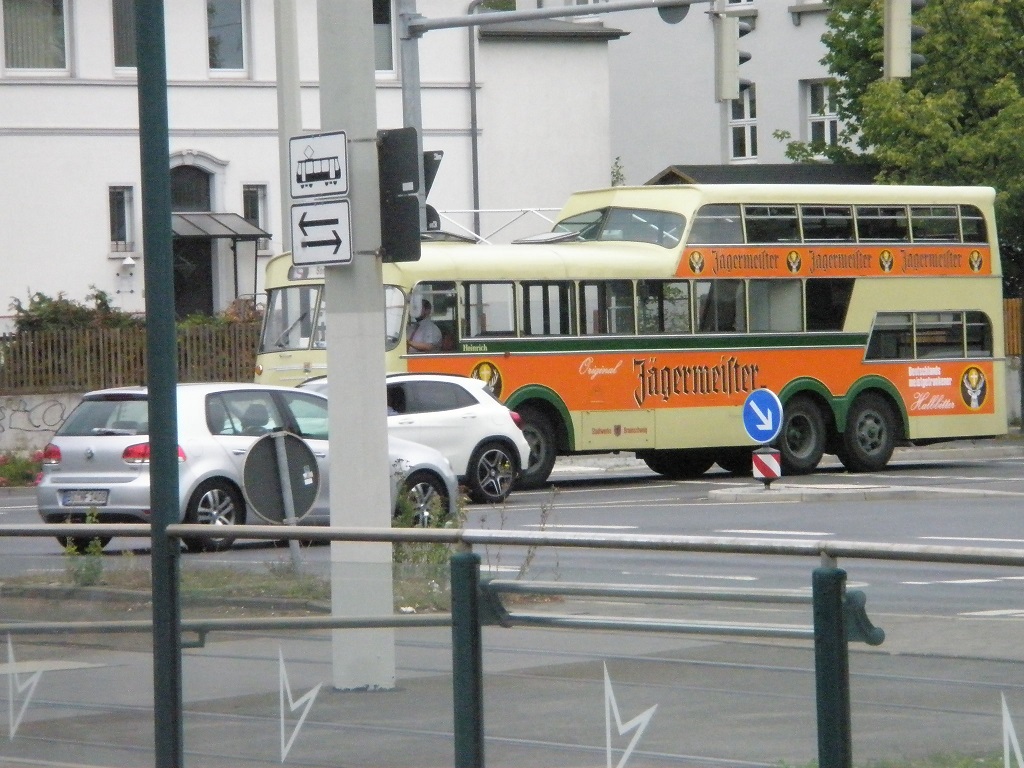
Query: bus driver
[[424, 335]]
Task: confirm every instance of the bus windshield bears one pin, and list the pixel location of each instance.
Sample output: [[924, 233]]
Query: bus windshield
[[662, 228]]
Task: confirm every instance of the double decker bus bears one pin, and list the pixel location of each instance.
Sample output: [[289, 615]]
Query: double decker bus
[[647, 316]]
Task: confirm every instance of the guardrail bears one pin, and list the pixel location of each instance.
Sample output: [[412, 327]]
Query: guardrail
[[839, 616]]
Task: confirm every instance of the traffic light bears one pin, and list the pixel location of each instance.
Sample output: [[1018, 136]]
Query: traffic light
[[728, 56], [900, 32], [399, 173]]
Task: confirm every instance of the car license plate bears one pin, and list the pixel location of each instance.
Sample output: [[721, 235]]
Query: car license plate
[[85, 498]]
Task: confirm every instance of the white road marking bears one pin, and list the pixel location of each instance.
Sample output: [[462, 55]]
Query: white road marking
[[545, 526], [986, 539], [756, 532]]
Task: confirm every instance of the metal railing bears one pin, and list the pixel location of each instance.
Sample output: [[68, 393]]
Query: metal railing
[[838, 616]]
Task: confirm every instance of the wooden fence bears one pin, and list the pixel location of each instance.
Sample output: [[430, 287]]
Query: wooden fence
[[82, 359], [1011, 313]]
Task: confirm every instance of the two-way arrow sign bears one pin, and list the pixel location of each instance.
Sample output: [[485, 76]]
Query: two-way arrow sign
[[322, 232]]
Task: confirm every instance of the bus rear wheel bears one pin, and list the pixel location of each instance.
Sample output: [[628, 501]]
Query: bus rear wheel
[[802, 439], [679, 464], [540, 434], [870, 435]]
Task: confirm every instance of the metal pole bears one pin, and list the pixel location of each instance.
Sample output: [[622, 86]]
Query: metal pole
[[467, 661], [409, 55], [286, 497], [289, 104], [474, 138], [162, 375], [831, 669]]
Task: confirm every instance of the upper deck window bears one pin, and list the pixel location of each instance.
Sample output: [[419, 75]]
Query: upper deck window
[[636, 225], [881, 223], [934, 223], [771, 224], [717, 223], [972, 224], [827, 223]]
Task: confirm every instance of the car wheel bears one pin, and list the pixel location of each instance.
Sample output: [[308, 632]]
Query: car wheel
[[215, 502], [679, 464], [870, 435], [491, 473], [424, 497], [541, 436], [802, 438], [80, 544]]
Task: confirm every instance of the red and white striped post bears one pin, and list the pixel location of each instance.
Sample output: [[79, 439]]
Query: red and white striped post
[[767, 466]]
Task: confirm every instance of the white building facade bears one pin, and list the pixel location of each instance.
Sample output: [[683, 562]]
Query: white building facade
[[70, 209], [558, 104], [666, 74]]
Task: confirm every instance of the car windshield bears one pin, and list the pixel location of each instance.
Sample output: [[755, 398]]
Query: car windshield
[[107, 417]]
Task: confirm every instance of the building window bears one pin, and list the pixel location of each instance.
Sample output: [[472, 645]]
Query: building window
[[254, 210], [823, 122], [34, 35], [122, 215], [124, 33], [226, 34], [743, 125], [383, 42]]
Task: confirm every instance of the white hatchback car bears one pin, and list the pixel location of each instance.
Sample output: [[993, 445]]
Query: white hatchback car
[[461, 418], [98, 461]]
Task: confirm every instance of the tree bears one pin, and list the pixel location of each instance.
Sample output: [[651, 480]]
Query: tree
[[957, 120]]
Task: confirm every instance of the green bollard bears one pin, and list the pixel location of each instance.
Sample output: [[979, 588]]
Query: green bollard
[[467, 661], [831, 669]]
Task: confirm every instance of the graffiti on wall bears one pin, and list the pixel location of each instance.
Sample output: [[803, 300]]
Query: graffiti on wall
[[27, 423]]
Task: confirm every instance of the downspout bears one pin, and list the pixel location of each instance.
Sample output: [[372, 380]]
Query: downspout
[[473, 142]]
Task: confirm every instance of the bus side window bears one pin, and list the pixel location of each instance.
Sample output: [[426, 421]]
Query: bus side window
[[606, 307], [718, 223], [827, 300], [979, 334], [721, 306], [827, 223], [663, 306], [489, 309], [892, 337], [972, 225], [771, 223], [549, 308], [879, 223]]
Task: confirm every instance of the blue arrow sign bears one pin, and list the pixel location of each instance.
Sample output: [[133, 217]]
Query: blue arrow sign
[[762, 415]]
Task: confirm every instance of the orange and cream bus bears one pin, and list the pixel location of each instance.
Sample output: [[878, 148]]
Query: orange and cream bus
[[645, 318]]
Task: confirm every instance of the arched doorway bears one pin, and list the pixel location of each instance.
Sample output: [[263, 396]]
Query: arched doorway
[[193, 256]]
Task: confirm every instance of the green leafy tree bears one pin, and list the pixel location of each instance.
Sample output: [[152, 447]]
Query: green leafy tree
[[956, 120]]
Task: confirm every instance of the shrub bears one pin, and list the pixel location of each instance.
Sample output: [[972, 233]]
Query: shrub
[[45, 313], [19, 468]]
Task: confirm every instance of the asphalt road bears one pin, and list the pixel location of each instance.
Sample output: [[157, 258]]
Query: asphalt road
[[951, 657]]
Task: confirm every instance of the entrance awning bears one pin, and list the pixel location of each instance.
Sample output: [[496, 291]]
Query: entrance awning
[[207, 225]]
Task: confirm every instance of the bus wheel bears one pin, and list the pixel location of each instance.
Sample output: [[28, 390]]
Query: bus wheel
[[736, 461], [679, 464], [541, 436], [802, 439], [870, 434]]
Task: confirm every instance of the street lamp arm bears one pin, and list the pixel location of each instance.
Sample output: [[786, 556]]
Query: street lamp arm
[[415, 25]]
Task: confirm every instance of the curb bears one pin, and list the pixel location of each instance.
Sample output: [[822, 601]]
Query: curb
[[827, 493]]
